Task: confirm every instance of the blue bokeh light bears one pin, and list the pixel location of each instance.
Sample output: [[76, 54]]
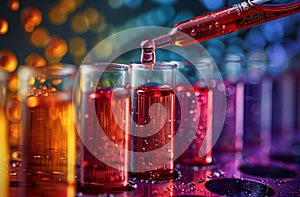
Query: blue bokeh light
[[273, 31], [213, 5], [278, 58], [165, 2]]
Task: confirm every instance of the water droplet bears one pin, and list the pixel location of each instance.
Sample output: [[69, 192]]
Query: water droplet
[[224, 27], [210, 27], [193, 32], [217, 24], [200, 180]]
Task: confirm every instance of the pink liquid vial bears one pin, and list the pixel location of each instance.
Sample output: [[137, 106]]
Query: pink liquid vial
[[153, 121], [104, 128], [194, 113]]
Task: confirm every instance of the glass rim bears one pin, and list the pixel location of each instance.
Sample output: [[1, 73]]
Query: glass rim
[[196, 64], [156, 65], [57, 70], [109, 66]]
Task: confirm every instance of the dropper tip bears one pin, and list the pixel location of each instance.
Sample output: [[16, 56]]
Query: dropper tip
[[148, 51], [147, 44], [162, 41]]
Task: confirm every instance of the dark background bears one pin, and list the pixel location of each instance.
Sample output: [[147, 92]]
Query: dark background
[[279, 40]]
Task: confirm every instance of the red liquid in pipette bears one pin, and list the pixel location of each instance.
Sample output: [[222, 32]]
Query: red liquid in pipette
[[237, 17]]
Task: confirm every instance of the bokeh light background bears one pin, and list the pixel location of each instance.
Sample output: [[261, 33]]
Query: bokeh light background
[[43, 32]]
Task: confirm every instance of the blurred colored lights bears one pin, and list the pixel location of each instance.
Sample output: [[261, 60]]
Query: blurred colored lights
[[91, 15], [213, 5], [56, 49], [35, 60], [77, 46], [40, 37], [13, 83], [13, 5], [8, 60], [57, 15], [115, 4], [3, 26], [30, 18], [79, 23]]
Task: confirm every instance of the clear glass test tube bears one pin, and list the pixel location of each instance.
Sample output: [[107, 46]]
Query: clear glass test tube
[[153, 121], [49, 134], [257, 110], [194, 112], [104, 119], [4, 146], [231, 138]]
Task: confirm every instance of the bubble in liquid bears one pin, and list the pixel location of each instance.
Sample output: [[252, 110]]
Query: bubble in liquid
[[8, 60], [3, 26], [40, 37], [35, 60], [13, 5], [30, 18], [200, 180], [31, 81], [42, 79], [32, 101], [56, 81]]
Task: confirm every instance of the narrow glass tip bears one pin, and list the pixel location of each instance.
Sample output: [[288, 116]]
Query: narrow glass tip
[[163, 40], [147, 44]]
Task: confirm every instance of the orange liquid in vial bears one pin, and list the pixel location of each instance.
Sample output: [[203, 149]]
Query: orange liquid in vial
[[49, 136]]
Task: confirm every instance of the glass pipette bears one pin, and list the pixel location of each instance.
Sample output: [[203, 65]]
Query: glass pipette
[[224, 21]]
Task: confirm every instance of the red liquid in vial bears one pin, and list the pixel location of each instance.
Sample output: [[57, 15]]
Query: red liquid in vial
[[94, 172], [192, 103], [144, 97]]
